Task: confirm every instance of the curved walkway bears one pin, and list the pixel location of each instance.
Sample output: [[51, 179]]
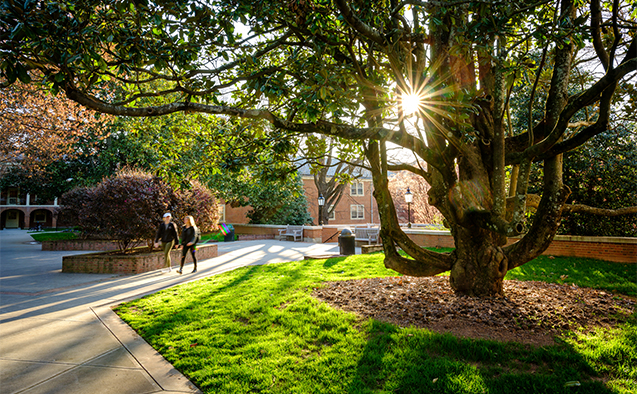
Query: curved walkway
[[59, 335]]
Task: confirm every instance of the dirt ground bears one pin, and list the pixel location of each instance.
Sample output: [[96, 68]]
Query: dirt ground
[[531, 313]]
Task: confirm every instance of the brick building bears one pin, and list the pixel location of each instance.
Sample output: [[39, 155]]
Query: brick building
[[357, 206], [23, 210]]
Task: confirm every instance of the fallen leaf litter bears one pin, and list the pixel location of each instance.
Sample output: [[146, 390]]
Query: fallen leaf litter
[[531, 312]]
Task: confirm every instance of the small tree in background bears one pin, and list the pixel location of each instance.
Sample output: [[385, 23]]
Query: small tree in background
[[274, 200], [421, 211], [282, 203], [127, 207]]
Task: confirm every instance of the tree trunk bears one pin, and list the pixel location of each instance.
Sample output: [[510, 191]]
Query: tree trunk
[[479, 263]]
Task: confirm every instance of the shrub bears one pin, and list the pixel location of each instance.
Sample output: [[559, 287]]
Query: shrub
[[127, 207], [602, 174], [76, 208], [199, 202]]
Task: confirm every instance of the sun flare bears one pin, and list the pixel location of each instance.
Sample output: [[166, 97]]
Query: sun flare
[[411, 103]]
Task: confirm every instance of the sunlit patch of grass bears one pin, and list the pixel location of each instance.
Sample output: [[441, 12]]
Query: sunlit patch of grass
[[258, 329], [597, 274], [57, 236]]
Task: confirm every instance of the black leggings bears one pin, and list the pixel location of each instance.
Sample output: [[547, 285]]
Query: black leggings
[[184, 253]]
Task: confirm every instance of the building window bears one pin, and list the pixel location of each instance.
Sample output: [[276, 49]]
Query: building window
[[39, 217], [357, 212], [331, 213], [222, 212], [357, 189], [12, 196]]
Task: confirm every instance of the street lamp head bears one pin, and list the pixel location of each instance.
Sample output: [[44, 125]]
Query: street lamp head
[[408, 196], [321, 200]]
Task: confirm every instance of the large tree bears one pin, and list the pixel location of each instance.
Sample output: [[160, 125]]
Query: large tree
[[37, 129], [433, 77]]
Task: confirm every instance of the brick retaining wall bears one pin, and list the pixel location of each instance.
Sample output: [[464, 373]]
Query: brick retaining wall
[[615, 249], [603, 248], [271, 231], [80, 244], [103, 263]]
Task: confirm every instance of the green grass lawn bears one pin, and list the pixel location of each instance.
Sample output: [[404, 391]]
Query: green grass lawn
[[216, 236], [614, 277], [53, 236], [257, 329]]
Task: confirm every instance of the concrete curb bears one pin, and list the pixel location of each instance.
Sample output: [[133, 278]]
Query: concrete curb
[[159, 369]]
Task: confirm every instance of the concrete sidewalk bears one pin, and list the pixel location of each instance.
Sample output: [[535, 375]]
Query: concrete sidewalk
[[59, 335]]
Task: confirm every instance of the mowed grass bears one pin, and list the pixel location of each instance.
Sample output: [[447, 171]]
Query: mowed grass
[[257, 329], [53, 236], [603, 275]]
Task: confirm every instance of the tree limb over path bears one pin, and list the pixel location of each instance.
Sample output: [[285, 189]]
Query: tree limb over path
[[347, 70]]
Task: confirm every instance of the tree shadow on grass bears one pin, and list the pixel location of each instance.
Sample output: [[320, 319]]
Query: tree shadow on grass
[[319, 347], [415, 360], [333, 261]]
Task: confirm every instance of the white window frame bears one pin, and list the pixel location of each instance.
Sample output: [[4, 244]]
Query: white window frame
[[38, 220], [360, 212], [222, 212], [357, 189], [331, 213]]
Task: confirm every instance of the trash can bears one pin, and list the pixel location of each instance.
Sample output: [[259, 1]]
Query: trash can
[[347, 242], [229, 237], [228, 232]]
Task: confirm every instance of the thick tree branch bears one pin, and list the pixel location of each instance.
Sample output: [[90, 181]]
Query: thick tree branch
[[596, 18], [580, 208], [358, 24], [577, 102], [321, 127], [407, 167]]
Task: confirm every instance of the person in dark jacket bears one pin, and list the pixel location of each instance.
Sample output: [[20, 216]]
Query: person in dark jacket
[[189, 238], [167, 233]]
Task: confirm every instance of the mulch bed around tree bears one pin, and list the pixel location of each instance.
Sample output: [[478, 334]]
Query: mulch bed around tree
[[531, 313]]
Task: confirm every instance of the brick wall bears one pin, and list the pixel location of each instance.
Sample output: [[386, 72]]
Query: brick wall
[[235, 215], [603, 248], [106, 263], [80, 244], [270, 231], [342, 211], [615, 249]]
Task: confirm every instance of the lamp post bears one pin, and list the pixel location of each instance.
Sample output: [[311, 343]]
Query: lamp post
[[408, 199], [321, 202]]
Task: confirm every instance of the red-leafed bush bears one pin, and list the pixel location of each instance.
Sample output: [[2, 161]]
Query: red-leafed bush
[[200, 203], [128, 206]]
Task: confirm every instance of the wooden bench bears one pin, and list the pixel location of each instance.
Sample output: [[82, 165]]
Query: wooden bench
[[369, 235], [291, 231]]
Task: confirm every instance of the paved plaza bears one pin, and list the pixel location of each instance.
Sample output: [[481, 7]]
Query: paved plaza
[[58, 333]]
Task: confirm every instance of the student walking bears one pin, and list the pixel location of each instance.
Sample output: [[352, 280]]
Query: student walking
[[189, 239], [167, 233]]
